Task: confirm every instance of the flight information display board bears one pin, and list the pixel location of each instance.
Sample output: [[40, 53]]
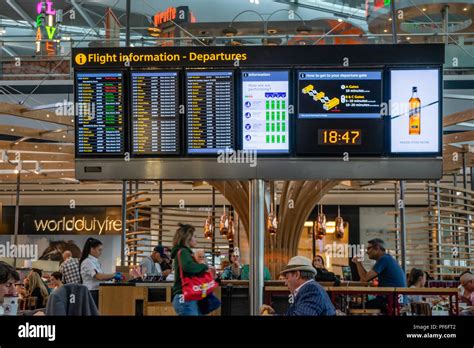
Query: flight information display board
[[155, 113], [210, 111], [99, 113], [265, 119], [339, 94]]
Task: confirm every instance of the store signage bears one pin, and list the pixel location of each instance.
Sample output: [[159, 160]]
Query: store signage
[[81, 224], [180, 14], [45, 27], [60, 220]]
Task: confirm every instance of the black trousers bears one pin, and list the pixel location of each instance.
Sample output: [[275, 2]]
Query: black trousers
[[95, 296]]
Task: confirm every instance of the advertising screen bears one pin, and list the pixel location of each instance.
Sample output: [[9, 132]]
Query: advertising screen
[[414, 111]]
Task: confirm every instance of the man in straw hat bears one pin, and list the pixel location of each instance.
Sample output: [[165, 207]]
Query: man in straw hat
[[307, 297], [467, 282]]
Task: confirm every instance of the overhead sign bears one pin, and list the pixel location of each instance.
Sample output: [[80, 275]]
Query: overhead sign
[[299, 103], [46, 31]]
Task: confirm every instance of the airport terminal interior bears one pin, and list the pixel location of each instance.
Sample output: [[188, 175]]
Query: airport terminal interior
[[324, 129]]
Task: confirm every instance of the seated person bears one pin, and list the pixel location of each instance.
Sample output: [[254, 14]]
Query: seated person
[[56, 280], [386, 269], [323, 275], [236, 271], [36, 288], [467, 282], [151, 264], [308, 298], [416, 279], [8, 277]]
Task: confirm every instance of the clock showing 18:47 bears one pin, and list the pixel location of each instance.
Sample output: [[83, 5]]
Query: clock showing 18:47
[[339, 137]]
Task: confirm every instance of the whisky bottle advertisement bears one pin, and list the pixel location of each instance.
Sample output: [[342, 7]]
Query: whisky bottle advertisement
[[414, 111]]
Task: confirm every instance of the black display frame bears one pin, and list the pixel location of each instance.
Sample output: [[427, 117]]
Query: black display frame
[[388, 127], [179, 118], [325, 151], [185, 150], [125, 106]]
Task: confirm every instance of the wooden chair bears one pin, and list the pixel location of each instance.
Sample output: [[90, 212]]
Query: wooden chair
[[421, 309]]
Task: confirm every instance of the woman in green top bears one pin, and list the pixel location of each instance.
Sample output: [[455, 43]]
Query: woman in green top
[[184, 240]]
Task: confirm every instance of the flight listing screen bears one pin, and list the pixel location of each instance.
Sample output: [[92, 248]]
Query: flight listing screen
[[99, 113], [265, 104], [210, 111], [339, 94], [155, 113]]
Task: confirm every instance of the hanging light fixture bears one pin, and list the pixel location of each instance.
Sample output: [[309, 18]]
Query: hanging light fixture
[[230, 230], [339, 224], [272, 221], [320, 224], [208, 227], [224, 224]]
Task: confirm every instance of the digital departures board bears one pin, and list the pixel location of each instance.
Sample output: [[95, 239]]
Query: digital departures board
[[155, 113], [339, 94], [210, 111], [265, 119], [100, 119]]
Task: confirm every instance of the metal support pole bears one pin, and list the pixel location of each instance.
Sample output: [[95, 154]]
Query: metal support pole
[[438, 208], [394, 22], [472, 178], [160, 215], [397, 220], [445, 16], [136, 222], [257, 228], [17, 214], [213, 242], [467, 239], [401, 204], [127, 29], [124, 223]]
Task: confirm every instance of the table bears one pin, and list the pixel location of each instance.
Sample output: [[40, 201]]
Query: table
[[452, 293]]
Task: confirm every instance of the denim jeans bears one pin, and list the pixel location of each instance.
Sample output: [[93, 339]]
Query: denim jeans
[[182, 308]]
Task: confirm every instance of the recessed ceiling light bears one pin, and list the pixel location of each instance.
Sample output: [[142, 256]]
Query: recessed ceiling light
[[12, 130], [464, 9], [408, 38], [390, 19], [385, 30], [424, 9], [339, 20]]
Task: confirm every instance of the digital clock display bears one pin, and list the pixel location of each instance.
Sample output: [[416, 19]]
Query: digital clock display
[[339, 137]]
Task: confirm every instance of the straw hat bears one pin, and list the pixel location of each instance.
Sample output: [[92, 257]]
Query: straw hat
[[299, 263], [466, 278]]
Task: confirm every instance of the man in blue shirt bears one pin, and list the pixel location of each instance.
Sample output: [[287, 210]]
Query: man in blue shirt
[[386, 269], [307, 297]]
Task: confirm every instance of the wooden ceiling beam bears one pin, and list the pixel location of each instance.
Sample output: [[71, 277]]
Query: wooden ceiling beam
[[39, 115]]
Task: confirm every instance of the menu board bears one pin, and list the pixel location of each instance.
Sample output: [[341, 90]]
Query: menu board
[[99, 113], [339, 94], [155, 113], [210, 111], [415, 111], [265, 119]]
